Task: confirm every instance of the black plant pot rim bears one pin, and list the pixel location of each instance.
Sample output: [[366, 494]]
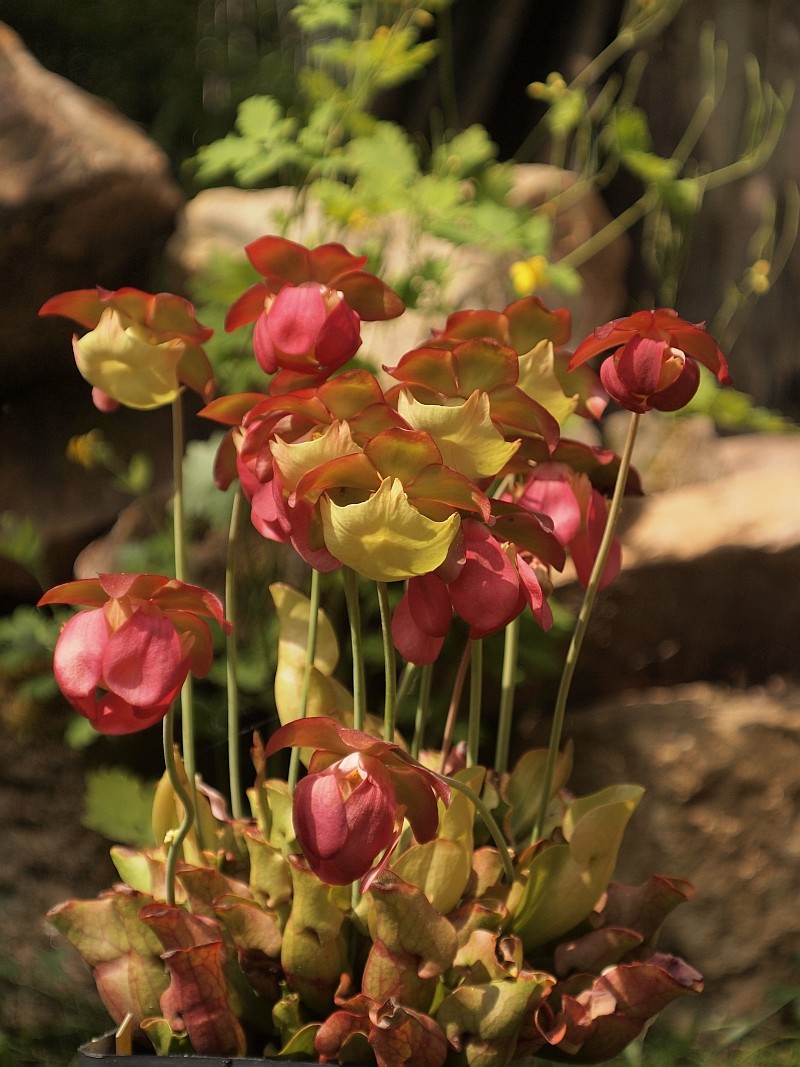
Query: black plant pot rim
[[100, 1051]]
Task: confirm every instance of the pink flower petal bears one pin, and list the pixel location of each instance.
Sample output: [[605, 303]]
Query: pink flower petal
[[78, 657], [549, 492], [429, 602], [143, 661], [295, 318], [413, 643], [339, 337], [486, 591]]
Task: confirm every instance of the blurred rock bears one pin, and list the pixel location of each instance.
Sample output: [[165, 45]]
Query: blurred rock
[[707, 569], [85, 199], [721, 770]]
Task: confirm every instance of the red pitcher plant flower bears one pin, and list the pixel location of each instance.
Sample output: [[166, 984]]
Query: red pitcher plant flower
[[140, 348], [389, 510], [578, 512], [123, 662], [350, 806], [367, 909], [539, 336], [655, 357], [488, 580], [308, 308]]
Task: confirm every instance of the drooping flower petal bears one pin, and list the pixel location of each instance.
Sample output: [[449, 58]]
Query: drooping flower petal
[[467, 438], [412, 642], [384, 537], [486, 592], [143, 661], [78, 656], [126, 366]]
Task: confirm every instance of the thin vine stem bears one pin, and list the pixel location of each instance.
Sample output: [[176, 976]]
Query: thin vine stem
[[357, 647], [423, 709], [507, 689], [179, 537], [311, 651], [231, 660], [452, 711], [389, 664], [482, 810], [178, 836], [579, 632]]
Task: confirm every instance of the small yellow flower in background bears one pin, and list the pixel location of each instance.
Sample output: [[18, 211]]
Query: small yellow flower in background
[[548, 90], [758, 277], [89, 450], [528, 275]]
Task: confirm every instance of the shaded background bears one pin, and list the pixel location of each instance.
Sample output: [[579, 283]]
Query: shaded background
[[179, 70]]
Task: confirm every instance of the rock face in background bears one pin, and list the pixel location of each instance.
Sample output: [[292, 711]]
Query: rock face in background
[[85, 198], [722, 776], [710, 568]]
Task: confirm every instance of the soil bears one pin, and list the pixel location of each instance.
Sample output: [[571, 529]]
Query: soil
[[48, 1003]]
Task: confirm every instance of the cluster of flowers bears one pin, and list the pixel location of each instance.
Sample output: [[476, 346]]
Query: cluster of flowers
[[448, 472]]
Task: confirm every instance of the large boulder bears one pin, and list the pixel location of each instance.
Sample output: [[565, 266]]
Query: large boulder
[[721, 771], [85, 199], [708, 568]]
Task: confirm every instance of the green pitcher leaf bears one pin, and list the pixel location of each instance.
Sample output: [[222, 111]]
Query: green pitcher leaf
[[134, 868], [250, 926], [440, 869], [403, 918], [200, 997], [270, 877], [523, 789], [483, 1021], [122, 952], [388, 974], [314, 951], [301, 1045], [565, 881], [165, 1040]]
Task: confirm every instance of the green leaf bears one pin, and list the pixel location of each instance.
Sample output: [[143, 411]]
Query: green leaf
[[202, 498], [20, 541], [313, 15], [118, 805], [260, 118], [631, 131], [565, 881], [465, 153]]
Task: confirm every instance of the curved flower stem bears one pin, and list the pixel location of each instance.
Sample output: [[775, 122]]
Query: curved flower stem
[[423, 709], [507, 687], [455, 700], [475, 693], [406, 681], [489, 820], [389, 664], [311, 651], [231, 660], [580, 626], [179, 531], [179, 835], [482, 810], [356, 645]]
